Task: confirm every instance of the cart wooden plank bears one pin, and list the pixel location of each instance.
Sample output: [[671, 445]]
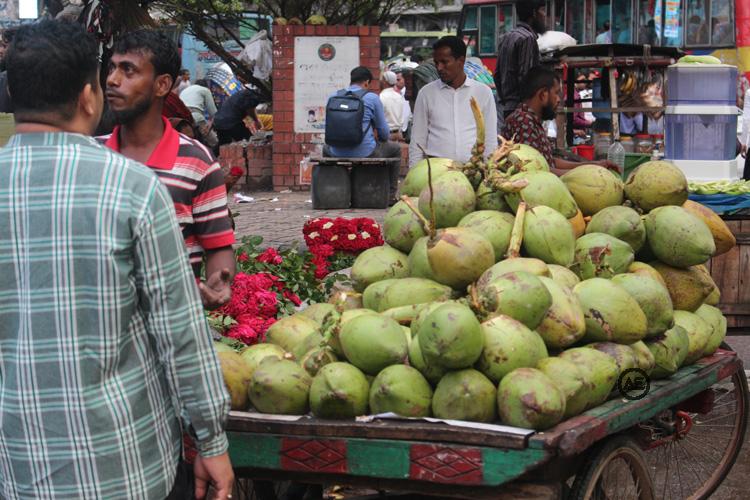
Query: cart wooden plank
[[377, 429]]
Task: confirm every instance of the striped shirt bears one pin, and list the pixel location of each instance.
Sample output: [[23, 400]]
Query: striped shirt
[[196, 184], [517, 53], [103, 342]]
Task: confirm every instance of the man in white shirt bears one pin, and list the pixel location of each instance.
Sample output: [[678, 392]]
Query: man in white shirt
[[443, 123], [393, 105], [401, 87]]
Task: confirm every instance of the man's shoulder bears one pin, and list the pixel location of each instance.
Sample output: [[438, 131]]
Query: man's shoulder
[[432, 87], [194, 150]]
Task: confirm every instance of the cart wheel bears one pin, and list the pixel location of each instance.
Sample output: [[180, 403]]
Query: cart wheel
[[695, 444], [614, 469]]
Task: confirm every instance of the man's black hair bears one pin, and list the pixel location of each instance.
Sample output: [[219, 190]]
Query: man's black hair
[[360, 74], [606, 25], [184, 71], [201, 82], [537, 78], [49, 63], [457, 46], [525, 9], [162, 50]]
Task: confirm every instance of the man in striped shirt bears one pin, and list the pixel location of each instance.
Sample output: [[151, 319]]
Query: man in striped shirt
[[142, 70], [103, 343]]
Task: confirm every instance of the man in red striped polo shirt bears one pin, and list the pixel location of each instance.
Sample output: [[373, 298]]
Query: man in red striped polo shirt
[[142, 70]]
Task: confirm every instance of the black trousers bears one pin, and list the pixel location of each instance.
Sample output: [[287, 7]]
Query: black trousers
[[238, 132]]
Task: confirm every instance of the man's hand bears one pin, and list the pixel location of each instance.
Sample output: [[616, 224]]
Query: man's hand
[[216, 472], [217, 289]]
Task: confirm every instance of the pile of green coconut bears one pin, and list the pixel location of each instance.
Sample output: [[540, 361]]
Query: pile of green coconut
[[504, 293]]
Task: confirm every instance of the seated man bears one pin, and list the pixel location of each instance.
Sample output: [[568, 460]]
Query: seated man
[[229, 121], [540, 95], [373, 120]]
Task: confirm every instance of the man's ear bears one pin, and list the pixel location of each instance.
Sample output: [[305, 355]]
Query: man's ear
[[163, 85], [87, 100]]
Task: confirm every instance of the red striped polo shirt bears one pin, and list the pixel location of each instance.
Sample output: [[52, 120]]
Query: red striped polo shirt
[[196, 184]]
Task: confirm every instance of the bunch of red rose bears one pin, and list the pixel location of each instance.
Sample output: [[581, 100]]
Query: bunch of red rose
[[325, 237], [255, 303]]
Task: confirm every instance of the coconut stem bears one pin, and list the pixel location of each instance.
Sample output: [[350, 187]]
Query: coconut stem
[[428, 228], [516, 236], [433, 222]]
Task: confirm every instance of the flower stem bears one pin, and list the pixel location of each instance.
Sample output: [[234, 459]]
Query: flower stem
[[514, 249]]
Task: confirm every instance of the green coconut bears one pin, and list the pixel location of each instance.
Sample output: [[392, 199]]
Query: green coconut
[[655, 184], [571, 381], [317, 358], [679, 238], [402, 227], [529, 399], [601, 255], [528, 265], [495, 226], [643, 269], [450, 337], [688, 288], [339, 391], [319, 312], [543, 188], [373, 342], [236, 378], [653, 298], [598, 369], [594, 188], [452, 197], [525, 158], [416, 179], [714, 317], [644, 357], [508, 345], [410, 291], [612, 315], [489, 199], [402, 390], [290, 331], [457, 256], [699, 333], [433, 373], [563, 276], [564, 323], [548, 236], [670, 351], [465, 395], [520, 295], [623, 223], [312, 341], [378, 264], [625, 358], [281, 387], [419, 264]]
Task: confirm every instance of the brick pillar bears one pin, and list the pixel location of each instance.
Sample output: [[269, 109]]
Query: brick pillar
[[290, 148]]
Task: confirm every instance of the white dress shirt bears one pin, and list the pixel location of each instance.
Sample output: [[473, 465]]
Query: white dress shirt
[[407, 111], [444, 124], [393, 106]]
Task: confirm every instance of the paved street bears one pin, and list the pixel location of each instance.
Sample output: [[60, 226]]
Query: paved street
[[279, 217]]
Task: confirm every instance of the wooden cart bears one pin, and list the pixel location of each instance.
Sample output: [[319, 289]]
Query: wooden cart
[[680, 439], [731, 272]]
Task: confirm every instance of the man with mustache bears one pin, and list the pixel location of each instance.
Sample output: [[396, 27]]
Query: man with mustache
[[443, 123], [142, 71], [540, 94]]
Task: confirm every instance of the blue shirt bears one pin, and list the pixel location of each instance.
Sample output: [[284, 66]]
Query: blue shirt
[[373, 114]]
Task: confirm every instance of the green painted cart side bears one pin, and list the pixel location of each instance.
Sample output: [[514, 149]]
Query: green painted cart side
[[426, 457]]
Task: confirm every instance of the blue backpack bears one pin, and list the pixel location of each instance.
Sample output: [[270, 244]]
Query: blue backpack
[[344, 114]]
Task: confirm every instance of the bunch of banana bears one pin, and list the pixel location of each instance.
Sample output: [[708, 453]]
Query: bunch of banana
[[720, 187], [629, 83]]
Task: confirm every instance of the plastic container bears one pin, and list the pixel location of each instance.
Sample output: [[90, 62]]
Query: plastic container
[[371, 185], [701, 133], [602, 142], [643, 144], [331, 187], [616, 155], [697, 170], [702, 84], [585, 151], [628, 144]]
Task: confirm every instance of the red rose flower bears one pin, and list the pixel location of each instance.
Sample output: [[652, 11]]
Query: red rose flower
[[243, 257], [270, 256]]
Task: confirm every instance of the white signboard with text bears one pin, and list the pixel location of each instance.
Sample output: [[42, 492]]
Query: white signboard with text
[[321, 67]]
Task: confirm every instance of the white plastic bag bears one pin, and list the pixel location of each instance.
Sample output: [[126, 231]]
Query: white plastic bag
[[258, 54]]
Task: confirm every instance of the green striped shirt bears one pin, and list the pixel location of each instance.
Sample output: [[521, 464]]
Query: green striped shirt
[[103, 343]]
